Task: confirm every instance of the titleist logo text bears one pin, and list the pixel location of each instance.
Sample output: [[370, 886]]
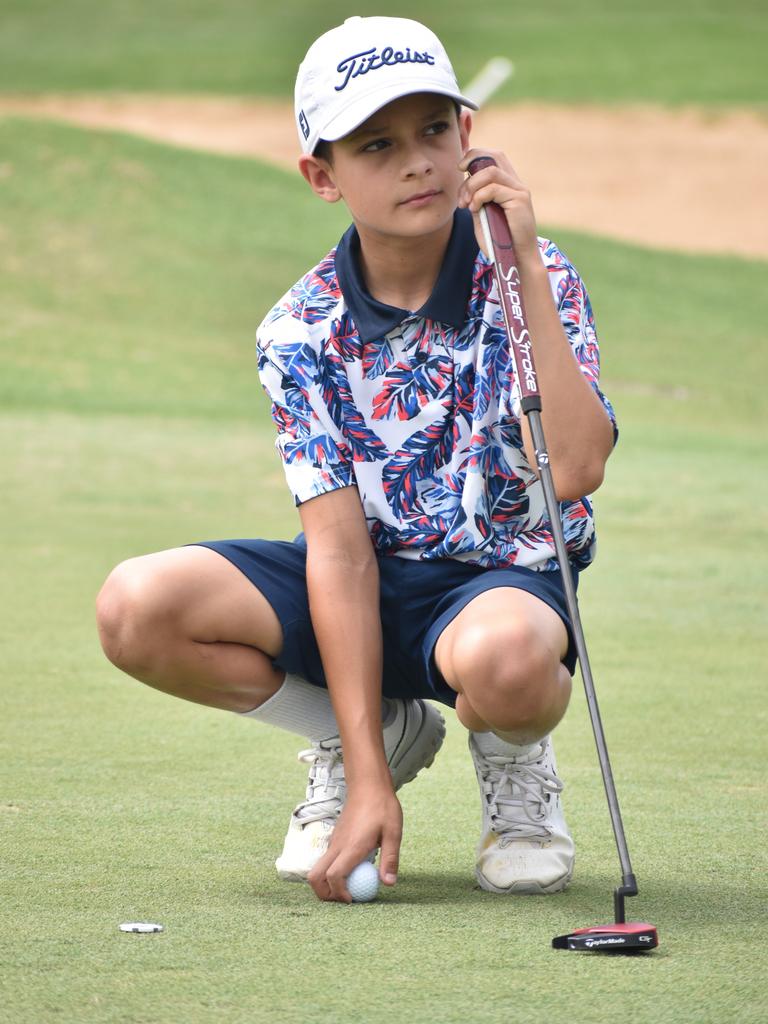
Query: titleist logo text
[[371, 60], [521, 339]]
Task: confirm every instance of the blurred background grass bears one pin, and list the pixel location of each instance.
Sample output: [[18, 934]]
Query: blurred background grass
[[132, 276], [693, 51]]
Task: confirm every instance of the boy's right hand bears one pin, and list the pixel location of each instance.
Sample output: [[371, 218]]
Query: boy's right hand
[[371, 818]]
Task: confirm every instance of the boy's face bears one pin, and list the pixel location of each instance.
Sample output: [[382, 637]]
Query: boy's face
[[398, 172]]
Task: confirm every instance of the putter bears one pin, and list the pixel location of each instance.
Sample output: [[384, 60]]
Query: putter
[[621, 936]]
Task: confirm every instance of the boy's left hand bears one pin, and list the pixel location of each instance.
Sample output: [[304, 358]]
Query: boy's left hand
[[500, 184]]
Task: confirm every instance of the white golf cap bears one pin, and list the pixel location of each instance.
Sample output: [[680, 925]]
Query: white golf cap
[[354, 70]]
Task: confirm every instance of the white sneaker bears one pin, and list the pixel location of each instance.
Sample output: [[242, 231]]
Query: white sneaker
[[525, 846], [411, 740]]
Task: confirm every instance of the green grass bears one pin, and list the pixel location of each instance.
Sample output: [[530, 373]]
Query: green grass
[[131, 279], [596, 50]]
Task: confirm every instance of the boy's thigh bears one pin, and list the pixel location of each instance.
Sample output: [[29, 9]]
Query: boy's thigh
[[277, 572], [499, 624], [198, 592]]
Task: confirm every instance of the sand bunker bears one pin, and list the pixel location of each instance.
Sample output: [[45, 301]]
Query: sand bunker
[[678, 179]]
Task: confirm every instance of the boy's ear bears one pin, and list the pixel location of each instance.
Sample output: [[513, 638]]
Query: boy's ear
[[465, 129], [318, 173]]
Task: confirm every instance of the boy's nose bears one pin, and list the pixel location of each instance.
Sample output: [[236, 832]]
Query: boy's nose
[[416, 165]]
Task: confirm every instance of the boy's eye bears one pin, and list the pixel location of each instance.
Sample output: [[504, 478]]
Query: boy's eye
[[375, 146], [437, 127]]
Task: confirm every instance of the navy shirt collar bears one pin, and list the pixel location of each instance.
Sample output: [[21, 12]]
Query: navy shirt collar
[[447, 303]]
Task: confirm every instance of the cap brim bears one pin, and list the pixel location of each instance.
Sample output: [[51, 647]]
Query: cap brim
[[356, 113]]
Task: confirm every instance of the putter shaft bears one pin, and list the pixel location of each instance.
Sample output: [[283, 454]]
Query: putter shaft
[[629, 883]]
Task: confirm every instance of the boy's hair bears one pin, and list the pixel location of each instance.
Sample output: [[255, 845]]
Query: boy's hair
[[324, 148], [324, 151], [359, 67]]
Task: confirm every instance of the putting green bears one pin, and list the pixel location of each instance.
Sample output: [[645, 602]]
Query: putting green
[[132, 278]]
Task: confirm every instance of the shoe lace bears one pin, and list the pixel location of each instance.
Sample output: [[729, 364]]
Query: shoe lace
[[519, 796], [326, 785]]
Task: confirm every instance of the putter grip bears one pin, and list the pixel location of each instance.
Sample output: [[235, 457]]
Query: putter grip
[[499, 237], [497, 222]]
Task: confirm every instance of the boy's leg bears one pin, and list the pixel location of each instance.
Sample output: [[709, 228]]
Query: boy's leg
[[189, 622], [502, 655]]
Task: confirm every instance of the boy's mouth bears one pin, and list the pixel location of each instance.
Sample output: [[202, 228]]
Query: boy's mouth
[[421, 199]]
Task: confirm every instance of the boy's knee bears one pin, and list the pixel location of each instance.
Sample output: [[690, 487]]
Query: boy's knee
[[126, 616], [505, 671]]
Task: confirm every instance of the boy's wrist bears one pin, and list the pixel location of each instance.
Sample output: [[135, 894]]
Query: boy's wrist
[[365, 761], [530, 263], [373, 776]]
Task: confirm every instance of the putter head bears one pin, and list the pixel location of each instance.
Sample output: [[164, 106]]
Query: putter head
[[631, 937]]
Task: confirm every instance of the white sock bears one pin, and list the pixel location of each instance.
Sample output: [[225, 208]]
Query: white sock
[[304, 709], [489, 743]]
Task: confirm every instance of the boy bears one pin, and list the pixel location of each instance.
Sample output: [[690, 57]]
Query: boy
[[426, 567]]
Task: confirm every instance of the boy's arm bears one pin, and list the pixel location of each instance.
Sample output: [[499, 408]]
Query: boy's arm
[[343, 586], [578, 430]]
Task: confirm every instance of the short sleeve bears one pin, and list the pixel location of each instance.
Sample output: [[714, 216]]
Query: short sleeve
[[578, 321], [313, 460]]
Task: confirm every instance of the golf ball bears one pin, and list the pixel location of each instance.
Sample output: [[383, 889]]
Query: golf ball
[[363, 882]]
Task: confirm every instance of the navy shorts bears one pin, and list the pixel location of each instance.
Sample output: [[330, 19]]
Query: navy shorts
[[418, 600]]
